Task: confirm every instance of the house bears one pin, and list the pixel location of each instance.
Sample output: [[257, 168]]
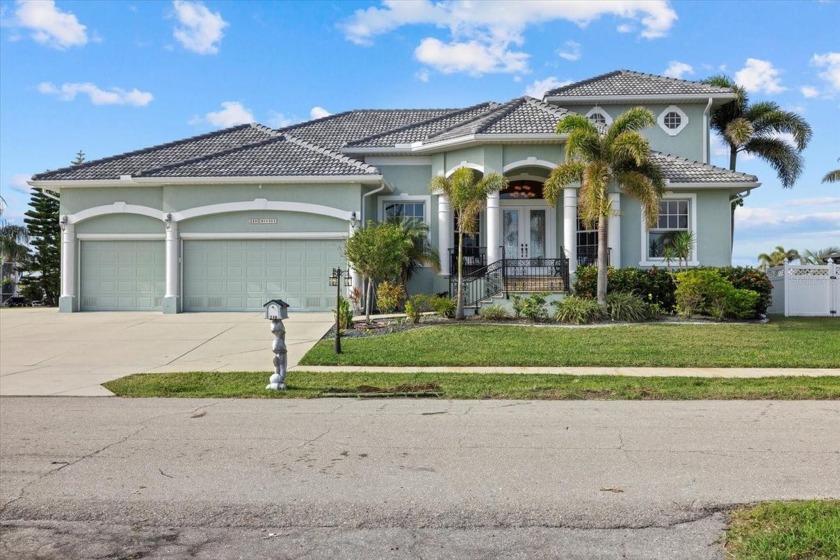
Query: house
[[228, 220]]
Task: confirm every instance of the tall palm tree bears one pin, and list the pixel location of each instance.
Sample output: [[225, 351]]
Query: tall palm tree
[[832, 176], [595, 160], [778, 257], [467, 196], [755, 129], [420, 252], [818, 257]]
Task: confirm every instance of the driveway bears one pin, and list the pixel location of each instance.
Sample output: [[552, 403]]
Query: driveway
[[43, 352]]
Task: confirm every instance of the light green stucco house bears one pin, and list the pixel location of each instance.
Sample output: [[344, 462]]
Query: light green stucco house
[[228, 220]]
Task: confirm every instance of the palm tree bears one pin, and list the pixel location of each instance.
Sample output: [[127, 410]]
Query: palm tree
[[420, 252], [778, 257], [595, 160], [13, 249], [818, 257], [832, 176], [467, 196], [755, 129]]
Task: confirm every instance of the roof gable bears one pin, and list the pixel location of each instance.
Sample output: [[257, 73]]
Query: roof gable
[[680, 170], [621, 83]]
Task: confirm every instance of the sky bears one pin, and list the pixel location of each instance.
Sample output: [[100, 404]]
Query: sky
[[107, 77]]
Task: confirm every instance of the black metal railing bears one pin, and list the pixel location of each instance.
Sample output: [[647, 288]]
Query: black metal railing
[[588, 255], [536, 274], [474, 259]]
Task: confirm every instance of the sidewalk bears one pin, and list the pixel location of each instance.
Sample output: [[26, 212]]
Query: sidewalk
[[627, 371]]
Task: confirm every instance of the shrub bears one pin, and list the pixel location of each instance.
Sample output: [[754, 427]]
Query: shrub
[[707, 291], [742, 304], [624, 306], [345, 314], [495, 313], [577, 310], [531, 307], [747, 278], [389, 297], [443, 306], [654, 285]]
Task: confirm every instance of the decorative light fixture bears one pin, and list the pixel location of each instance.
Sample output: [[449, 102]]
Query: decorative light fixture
[[167, 220], [353, 219], [335, 280], [63, 222]]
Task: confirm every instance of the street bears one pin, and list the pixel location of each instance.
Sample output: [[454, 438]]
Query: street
[[177, 478]]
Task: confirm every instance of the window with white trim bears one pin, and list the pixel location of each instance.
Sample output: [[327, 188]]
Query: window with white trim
[[672, 120], [396, 210], [599, 117], [674, 217]]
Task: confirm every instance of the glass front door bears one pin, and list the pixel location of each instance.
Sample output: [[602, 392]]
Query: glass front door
[[524, 232]]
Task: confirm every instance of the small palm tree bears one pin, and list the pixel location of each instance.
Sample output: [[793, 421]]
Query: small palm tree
[[595, 160], [420, 252], [467, 196], [778, 257], [832, 176], [680, 247], [755, 129]]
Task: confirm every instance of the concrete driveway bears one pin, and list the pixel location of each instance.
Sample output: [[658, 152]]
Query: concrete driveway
[[43, 352]]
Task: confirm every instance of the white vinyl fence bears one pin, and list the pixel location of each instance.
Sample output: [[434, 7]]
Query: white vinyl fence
[[806, 290]]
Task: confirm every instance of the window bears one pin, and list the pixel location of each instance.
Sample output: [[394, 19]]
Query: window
[[672, 120], [405, 210], [673, 217], [587, 245], [599, 117]]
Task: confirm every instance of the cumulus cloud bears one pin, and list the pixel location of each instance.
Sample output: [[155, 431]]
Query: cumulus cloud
[[280, 120], [49, 25], [677, 69], [759, 76], [831, 62], [484, 38], [809, 91], [232, 113], [199, 29], [97, 96], [422, 75], [828, 216], [318, 113], [540, 87], [570, 52], [19, 183]]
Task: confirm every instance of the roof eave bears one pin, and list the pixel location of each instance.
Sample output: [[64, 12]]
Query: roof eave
[[248, 180], [746, 185]]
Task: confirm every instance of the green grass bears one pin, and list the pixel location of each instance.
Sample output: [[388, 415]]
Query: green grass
[[785, 530], [784, 342], [476, 386]]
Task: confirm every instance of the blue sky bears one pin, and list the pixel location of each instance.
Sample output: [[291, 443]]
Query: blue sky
[[110, 76]]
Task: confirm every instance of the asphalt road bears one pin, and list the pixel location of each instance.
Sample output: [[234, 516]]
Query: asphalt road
[[172, 478]]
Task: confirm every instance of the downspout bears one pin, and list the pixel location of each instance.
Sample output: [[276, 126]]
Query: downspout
[[48, 194], [385, 185], [706, 125]]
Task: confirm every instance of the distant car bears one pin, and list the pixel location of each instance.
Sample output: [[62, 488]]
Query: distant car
[[16, 301]]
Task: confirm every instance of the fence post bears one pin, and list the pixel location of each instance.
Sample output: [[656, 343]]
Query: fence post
[[787, 290]]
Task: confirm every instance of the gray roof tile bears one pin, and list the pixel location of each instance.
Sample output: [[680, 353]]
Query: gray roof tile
[[681, 170], [627, 82], [523, 115]]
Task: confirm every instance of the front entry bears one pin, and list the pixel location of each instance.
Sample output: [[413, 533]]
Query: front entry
[[525, 232]]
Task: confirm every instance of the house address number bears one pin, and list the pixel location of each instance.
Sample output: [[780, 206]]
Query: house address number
[[262, 221]]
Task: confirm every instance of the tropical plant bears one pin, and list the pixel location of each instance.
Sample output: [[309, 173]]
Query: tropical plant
[[594, 161], [13, 251], [531, 307], [626, 307], [467, 197], [577, 310], [832, 176], [495, 312], [389, 296], [345, 313], [756, 129], [680, 246], [820, 256], [420, 252], [778, 257], [443, 306]]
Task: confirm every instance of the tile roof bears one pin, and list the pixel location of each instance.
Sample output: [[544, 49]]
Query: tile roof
[[278, 156], [132, 163], [523, 115], [627, 82], [420, 131], [681, 170], [335, 131]]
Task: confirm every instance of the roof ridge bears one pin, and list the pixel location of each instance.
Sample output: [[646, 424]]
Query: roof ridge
[[152, 148], [583, 82], [705, 165], [477, 119], [553, 109], [410, 126], [335, 155], [567, 87], [672, 79], [207, 157]]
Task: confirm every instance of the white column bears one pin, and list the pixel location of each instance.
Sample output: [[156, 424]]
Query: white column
[[494, 228], [173, 267], [444, 231], [570, 227], [614, 230], [66, 302]]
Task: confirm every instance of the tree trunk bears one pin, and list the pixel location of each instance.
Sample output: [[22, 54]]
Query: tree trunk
[[733, 155], [367, 299], [602, 262], [459, 309]]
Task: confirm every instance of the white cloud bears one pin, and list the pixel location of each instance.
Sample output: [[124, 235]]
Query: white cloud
[[114, 96], [422, 75], [809, 91], [200, 30], [818, 202], [626, 28], [231, 114], [571, 52], [794, 220], [539, 87], [473, 58], [759, 76], [677, 69], [318, 113], [482, 34], [19, 183], [49, 25], [831, 62], [279, 120]]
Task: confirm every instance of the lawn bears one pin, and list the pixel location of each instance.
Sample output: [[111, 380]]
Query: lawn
[[473, 386], [785, 530], [781, 343]]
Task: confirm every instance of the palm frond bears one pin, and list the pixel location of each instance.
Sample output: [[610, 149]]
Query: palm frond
[[561, 177], [832, 176], [643, 189], [769, 120], [781, 156], [570, 123], [583, 145], [738, 132], [629, 146], [634, 119]]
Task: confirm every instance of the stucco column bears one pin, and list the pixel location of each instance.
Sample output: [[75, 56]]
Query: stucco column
[[67, 299], [173, 269], [570, 227], [614, 230], [494, 228], [444, 231]]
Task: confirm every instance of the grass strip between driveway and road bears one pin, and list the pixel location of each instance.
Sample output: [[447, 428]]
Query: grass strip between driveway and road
[[784, 342], [791, 530], [474, 386]]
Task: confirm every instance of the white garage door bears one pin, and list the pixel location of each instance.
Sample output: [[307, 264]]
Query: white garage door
[[243, 275], [122, 275]]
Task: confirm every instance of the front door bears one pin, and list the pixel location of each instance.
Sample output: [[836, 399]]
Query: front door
[[524, 232]]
